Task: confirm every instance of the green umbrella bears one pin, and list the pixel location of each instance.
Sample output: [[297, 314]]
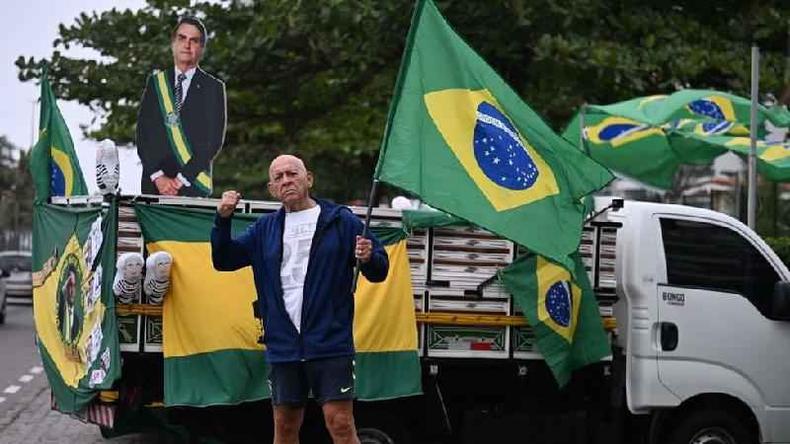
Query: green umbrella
[[648, 138]]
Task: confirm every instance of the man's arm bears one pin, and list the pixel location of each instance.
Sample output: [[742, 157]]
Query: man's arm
[[228, 254]]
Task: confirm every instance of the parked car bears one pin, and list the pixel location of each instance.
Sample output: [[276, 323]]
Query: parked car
[[18, 264]]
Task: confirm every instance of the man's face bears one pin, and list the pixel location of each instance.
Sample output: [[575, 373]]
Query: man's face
[[186, 46], [289, 181]]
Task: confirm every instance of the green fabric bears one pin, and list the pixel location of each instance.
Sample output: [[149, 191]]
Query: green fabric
[[417, 156], [418, 219], [58, 175], [773, 159], [589, 342], [648, 138], [159, 222], [389, 235], [237, 376], [657, 110], [53, 226], [387, 375], [230, 376]]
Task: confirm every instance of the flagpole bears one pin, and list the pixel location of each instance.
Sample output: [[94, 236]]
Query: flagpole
[[418, 5], [751, 205]]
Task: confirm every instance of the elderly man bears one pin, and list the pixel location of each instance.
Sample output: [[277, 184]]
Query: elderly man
[[181, 122], [303, 259]]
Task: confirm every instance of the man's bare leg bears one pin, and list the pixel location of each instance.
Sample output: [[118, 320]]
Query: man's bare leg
[[339, 419], [287, 422]]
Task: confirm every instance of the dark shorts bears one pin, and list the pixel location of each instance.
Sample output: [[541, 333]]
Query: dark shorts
[[328, 379]]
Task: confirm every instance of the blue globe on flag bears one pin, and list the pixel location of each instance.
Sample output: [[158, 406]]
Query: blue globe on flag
[[558, 303], [707, 108], [499, 152]]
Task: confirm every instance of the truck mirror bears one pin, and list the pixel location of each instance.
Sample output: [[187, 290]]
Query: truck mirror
[[4, 273], [780, 301]]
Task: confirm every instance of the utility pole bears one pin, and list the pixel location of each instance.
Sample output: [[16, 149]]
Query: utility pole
[[751, 203]]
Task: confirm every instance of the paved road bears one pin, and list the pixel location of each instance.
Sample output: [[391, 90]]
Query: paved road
[[25, 414]]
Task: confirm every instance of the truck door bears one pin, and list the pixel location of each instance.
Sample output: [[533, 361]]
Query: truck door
[[713, 333]]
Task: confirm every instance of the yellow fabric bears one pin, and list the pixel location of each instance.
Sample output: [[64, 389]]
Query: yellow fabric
[[204, 179], [70, 360], [639, 131], [384, 317], [205, 310], [175, 130], [772, 152], [63, 162], [549, 274], [725, 105], [454, 112]]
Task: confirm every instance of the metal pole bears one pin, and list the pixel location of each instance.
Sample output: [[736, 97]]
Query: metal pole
[[751, 204], [371, 199]]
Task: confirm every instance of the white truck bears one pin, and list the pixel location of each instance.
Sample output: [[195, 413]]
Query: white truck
[[697, 306]]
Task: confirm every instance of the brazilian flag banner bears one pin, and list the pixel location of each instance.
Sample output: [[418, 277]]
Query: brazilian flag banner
[[53, 160], [73, 302], [463, 141], [211, 353], [561, 309]]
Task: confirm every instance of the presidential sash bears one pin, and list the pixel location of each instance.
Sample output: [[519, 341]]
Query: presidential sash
[[175, 134]]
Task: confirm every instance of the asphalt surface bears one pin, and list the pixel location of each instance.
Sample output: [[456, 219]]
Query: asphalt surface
[[25, 413]]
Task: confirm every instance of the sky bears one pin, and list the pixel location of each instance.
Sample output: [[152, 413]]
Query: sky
[[28, 29]]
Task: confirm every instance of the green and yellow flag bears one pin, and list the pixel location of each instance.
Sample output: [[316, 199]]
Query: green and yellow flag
[[53, 161], [460, 138], [210, 335], [562, 311], [73, 302]]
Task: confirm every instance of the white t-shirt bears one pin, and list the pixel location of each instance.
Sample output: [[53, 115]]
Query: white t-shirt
[[297, 239]]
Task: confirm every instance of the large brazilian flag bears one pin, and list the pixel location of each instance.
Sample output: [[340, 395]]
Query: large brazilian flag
[[210, 336], [463, 141], [73, 302]]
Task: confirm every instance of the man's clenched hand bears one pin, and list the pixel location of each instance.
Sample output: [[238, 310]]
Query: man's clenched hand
[[230, 199]]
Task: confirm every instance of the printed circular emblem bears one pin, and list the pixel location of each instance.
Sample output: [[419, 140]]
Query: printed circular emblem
[[500, 152], [558, 303], [69, 299], [172, 119]]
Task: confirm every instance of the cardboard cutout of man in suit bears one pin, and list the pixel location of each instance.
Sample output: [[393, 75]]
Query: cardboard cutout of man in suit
[[181, 122]]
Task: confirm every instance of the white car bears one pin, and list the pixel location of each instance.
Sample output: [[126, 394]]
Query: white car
[[18, 264]]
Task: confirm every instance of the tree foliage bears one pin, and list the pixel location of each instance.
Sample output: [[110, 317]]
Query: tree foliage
[[16, 189], [316, 77]]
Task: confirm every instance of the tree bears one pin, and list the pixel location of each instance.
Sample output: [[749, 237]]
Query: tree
[[317, 77]]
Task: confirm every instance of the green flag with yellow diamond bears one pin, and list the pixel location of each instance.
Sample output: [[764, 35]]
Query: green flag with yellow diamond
[[460, 138], [73, 303], [561, 309]]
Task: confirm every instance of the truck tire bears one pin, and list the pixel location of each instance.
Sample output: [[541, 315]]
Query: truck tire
[[381, 429], [711, 427]]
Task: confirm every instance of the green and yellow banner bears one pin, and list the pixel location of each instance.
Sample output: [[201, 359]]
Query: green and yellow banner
[[210, 336], [560, 306], [73, 302]]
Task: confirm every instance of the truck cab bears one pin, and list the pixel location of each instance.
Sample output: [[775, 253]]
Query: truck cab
[[703, 324]]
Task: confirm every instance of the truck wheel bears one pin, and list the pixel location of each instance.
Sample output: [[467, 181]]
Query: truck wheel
[[711, 427], [381, 429], [374, 436]]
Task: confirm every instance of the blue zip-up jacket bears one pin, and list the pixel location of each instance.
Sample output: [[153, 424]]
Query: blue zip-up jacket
[[328, 304]]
